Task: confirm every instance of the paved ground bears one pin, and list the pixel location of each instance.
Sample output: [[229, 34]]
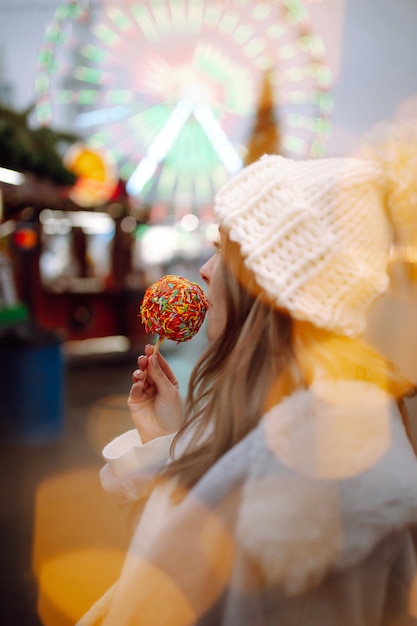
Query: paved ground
[[53, 509]]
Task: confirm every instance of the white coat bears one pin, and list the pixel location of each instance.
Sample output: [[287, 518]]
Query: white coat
[[310, 520]]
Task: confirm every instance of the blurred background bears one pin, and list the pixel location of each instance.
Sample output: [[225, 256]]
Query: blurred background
[[119, 120]]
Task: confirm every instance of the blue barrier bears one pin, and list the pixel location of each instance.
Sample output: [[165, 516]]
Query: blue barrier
[[31, 385]]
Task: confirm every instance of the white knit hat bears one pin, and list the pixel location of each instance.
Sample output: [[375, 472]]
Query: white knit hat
[[316, 234]]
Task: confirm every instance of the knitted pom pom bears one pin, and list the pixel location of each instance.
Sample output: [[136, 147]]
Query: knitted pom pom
[[395, 147], [173, 308]]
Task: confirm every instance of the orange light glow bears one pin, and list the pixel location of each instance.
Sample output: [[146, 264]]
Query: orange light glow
[[96, 177], [79, 545]]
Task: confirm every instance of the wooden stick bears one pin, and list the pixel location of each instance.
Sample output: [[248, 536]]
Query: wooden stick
[[158, 344]]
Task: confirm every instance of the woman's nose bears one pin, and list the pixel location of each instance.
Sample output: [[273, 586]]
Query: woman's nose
[[205, 271]]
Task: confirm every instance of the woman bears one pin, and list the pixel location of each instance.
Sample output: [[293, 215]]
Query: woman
[[285, 492]]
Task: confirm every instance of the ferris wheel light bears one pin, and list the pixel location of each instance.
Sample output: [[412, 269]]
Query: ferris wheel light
[[218, 138], [90, 77], [144, 172], [93, 53], [229, 22], [87, 96], [143, 19], [295, 144], [255, 47], [104, 33], [159, 148], [102, 116], [118, 18]]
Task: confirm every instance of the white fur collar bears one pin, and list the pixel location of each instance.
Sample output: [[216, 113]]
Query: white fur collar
[[331, 474]]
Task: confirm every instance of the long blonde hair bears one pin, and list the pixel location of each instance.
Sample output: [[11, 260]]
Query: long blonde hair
[[262, 355]]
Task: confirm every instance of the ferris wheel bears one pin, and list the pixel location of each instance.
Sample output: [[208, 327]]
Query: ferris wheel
[[169, 90]]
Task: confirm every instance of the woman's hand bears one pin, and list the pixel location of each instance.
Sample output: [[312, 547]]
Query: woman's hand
[[154, 400]]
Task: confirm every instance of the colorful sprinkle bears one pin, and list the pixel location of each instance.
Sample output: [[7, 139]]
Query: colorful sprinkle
[[173, 308]]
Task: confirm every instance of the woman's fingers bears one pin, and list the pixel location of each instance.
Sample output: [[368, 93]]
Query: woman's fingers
[[149, 351], [161, 375], [163, 363], [153, 378], [154, 400], [143, 363], [137, 375], [141, 390], [141, 373], [136, 391]]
